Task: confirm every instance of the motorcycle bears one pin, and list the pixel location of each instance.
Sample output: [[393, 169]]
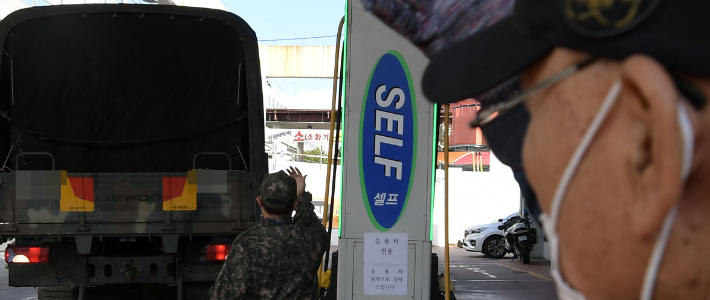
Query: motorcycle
[[520, 237]]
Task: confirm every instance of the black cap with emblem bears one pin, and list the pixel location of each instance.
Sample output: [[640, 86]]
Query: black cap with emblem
[[486, 64], [676, 33]]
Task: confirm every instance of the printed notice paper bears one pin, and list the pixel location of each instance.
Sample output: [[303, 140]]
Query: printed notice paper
[[385, 270], [385, 279], [386, 248]]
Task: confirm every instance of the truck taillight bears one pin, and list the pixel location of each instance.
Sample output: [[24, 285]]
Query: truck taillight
[[217, 252], [27, 255]]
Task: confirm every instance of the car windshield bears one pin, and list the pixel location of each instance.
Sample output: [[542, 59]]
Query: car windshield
[[515, 214]]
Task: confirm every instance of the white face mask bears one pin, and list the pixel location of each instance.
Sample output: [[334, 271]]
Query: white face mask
[[564, 290]]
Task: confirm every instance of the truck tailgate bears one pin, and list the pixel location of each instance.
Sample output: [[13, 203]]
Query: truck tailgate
[[128, 204]]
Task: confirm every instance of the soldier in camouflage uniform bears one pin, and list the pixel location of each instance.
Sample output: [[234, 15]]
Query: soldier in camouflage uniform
[[279, 258]]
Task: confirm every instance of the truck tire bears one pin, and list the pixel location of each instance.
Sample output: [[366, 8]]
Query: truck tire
[[57, 293]]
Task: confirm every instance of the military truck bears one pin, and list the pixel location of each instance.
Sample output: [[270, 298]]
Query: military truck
[[132, 144]]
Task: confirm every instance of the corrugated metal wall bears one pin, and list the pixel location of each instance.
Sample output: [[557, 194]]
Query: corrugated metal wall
[[461, 133]]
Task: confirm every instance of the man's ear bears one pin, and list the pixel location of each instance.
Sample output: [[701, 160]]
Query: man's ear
[[658, 150], [258, 201]]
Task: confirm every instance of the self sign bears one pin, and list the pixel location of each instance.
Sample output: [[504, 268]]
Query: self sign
[[388, 140]]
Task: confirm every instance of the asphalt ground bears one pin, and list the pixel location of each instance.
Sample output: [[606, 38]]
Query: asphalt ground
[[478, 277]]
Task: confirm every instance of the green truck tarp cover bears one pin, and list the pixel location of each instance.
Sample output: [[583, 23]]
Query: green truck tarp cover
[[129, 88]]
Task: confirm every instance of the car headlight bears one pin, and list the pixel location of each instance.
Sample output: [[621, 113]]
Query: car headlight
[[477, 230]]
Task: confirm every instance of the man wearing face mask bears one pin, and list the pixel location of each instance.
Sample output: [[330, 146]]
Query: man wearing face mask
[[600, 109]]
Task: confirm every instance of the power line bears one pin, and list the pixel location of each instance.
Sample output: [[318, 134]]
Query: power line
[[277, 83], [300, 38]]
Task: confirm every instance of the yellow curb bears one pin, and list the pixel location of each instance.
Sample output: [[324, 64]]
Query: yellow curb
[[531, 273]]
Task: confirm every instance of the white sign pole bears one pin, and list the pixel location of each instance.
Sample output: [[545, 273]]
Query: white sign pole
[[385, 244]]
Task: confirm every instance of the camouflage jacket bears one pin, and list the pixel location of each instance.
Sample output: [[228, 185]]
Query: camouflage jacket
[[277, 259]]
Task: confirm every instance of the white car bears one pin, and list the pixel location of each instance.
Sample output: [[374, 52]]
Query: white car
[[486, 238]]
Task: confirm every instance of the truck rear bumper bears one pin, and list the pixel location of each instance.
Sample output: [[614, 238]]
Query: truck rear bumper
[[151, 269], [66, 267]]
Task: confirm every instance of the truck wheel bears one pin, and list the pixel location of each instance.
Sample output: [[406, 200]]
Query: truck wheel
[[57, 293]]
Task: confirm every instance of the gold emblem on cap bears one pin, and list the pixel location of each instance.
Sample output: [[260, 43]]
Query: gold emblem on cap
[[595, 10]]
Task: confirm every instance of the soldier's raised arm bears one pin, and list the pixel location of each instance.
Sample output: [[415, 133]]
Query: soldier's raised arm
[[304, 208], [305, 211]]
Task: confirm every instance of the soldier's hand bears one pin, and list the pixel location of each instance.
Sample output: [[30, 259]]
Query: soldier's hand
[[300, 179]]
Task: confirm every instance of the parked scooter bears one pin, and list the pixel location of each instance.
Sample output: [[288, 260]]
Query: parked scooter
[[520, 237]]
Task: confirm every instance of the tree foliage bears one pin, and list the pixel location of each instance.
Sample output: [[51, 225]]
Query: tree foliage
[[311, 159]]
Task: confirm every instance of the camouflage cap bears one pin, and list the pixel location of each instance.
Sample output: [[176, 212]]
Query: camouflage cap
[[278, 190]]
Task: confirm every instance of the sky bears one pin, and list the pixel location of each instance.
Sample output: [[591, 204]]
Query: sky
[[283, 19], [287, 19]]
